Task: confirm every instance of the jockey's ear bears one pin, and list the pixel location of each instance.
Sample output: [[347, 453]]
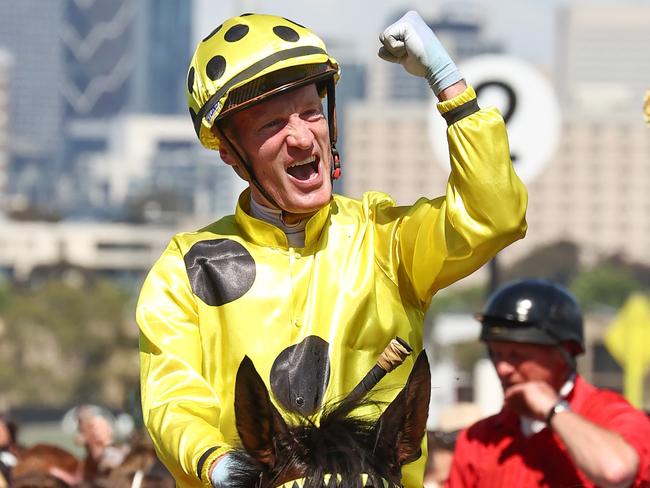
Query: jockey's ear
[[258, 421], [402, 426]]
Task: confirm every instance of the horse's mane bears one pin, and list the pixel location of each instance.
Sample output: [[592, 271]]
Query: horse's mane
[[342, 443]]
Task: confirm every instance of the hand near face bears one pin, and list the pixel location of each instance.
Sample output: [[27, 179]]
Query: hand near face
[[532, 399], [95, 433]]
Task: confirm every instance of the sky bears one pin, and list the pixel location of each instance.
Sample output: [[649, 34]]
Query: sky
[[526, 28]]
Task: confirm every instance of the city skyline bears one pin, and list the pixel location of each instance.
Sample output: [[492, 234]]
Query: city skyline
[[173, 169]]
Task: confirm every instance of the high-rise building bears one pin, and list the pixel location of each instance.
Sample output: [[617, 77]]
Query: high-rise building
[[126, 56], [604, 56], [77, 64], [99, 57], [388, 149], [596, 191], [29, 32], [6, 63], [168, 55], [153, 170]]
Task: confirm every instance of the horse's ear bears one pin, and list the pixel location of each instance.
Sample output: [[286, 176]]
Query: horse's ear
[[402, 426], [258, 421]]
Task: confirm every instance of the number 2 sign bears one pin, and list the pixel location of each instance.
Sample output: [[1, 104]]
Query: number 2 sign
[[528, 105]]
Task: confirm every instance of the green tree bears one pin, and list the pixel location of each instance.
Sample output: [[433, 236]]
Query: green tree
[[604, 285], [68, 343], [458, 299], [4, 296]]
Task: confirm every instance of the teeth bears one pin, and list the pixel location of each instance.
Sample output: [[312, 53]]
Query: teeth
[[302, 163]]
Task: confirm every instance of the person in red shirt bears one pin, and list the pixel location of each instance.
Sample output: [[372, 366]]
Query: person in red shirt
[[555, 429]]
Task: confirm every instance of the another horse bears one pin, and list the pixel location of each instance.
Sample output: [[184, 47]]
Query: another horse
[[343, 450]]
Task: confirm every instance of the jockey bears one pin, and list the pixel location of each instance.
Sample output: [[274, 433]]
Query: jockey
[[310, 285]]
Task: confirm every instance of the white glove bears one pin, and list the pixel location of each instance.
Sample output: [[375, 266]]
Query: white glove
[[410, 42], [220, 476]]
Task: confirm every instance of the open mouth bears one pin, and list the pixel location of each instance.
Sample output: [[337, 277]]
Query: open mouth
[[304, 170]]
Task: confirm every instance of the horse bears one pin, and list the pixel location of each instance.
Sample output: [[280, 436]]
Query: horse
[[46, 465], [343, 450]]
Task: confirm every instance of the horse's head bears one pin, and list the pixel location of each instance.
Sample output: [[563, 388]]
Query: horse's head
[[343, 450]]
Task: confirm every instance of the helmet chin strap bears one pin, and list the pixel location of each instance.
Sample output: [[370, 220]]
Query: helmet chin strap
[[570, 361], [331, 122], [241, 161]]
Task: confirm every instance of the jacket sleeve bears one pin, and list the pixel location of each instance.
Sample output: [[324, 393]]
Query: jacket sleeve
[[437, 242], [180, 409]]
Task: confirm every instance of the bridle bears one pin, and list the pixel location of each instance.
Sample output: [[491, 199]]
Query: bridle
[[366, 482]]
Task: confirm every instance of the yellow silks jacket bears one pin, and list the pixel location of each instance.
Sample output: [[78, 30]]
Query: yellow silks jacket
[[367, 273]]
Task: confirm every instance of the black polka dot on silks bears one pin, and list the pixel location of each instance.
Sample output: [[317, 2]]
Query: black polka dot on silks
[[300, 375], [212, 33], [236, 32], [247, 14], [286, 33], [190, 80], [216, 67], [220, 271]]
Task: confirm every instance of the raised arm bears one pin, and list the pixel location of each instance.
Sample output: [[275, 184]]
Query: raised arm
[[483, 210]]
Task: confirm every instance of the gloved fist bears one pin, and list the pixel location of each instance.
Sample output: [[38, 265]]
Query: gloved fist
[[410, 42]]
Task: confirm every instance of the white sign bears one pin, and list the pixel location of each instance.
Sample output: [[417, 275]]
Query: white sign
[[525, 99]]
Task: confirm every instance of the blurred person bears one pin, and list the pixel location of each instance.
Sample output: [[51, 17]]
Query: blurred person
[[95, 434], [140, 468], [310, 285], [441, 442], [45, 461], [8, 449], [554, 429]]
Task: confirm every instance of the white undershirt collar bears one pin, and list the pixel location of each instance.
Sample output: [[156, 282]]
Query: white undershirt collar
[[295, 232]]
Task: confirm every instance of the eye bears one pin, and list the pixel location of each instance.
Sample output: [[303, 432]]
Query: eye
[[272, 124], [312, 114]]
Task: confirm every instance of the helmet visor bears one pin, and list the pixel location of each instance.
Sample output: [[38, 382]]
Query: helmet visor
[[499, 329]]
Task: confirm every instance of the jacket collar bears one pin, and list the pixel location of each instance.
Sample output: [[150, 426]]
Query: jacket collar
[[262, 233]]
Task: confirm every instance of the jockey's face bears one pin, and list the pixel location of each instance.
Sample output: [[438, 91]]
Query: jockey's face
[[286, 141]]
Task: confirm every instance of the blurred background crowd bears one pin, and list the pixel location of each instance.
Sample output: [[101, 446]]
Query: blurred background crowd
[[100, 459], [99, 166]]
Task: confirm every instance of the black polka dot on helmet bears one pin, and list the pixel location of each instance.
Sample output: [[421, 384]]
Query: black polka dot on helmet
[[286, 33], [236, 32], [216, 67], [190, 80]]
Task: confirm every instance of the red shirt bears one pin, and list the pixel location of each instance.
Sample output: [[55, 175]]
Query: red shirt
[[494, 453]]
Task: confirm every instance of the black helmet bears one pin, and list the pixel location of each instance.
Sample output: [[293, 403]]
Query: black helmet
[[533, 311]]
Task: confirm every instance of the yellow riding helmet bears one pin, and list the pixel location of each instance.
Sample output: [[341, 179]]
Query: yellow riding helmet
[[247, 59]]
